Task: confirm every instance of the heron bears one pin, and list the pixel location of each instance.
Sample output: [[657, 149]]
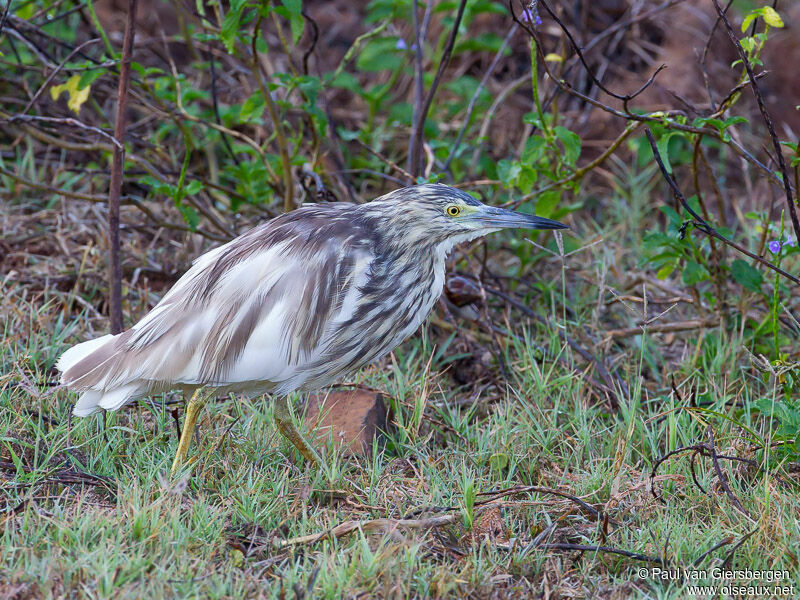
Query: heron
[[294, 304]]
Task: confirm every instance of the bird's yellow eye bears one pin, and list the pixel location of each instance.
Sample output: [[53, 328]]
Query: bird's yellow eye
[[453, 210]]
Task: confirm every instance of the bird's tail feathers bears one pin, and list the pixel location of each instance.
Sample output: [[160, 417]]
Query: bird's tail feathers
[[85, 367], [77, 353], [93, 400]]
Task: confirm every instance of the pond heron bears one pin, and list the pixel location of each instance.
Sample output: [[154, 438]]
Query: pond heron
[[296, 303]]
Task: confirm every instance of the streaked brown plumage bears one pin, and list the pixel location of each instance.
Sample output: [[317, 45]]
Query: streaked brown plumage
[[293, 304]]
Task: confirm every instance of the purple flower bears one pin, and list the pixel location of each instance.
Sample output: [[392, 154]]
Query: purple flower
[[531, 14], [401, 44], [774, 246], [789, 242]]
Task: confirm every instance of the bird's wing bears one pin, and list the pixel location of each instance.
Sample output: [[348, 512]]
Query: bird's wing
[[254, 310]]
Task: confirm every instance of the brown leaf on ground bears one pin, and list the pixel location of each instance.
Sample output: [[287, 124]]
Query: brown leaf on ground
[[19, 591], [489, 526], [352, 418]]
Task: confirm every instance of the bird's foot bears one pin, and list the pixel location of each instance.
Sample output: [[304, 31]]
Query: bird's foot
[[285, 424]]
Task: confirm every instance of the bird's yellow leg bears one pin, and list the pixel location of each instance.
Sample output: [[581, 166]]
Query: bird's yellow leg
[[193, 409], [285, 424]]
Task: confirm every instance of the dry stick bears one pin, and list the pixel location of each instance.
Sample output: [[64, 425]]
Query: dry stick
[[384, 160], [717, 546], [625, 98], [274, 114], [369, 525], [5, 15], [609, 549], [419, 91], [704, 57], [419, 123], [215, 104], [663, 328], [767, 120], [738, 544], [69, 121], [723, 481], [700, 223], [115, 188]]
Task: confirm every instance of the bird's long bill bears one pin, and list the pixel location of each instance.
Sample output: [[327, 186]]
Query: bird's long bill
[[491, 216]]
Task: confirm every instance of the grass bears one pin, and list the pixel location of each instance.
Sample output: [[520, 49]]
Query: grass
[[215, 530]]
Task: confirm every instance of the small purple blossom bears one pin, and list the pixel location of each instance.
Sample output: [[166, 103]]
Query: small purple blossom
[[531, 14], [776, 245], [401, 44]]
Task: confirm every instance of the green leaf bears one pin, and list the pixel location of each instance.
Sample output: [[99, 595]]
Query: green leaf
[[508, 171], [748, 20], [546, 203], [230, 24], [89, 77], [771, 17], [534, 148], [571, 141], [253, 107], [694, 273], [665, 271], [190, 216], [296, 22], [663, 149], [746, 275], [194, 187], [498, 461], [379, 55]]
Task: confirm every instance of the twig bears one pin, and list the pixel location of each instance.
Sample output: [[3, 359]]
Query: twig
[[663, 328], [419, 124], [4, 18], [717, 546], [700, 223], [767, 120], [609, 549], [419, 90], [314, 39], [738, 545], [70, 122], [274, 114], [625, 98], [477, 93], [369, 525], [115, 188], [385, 160], [723, 480], [215, 104], [55, 71]]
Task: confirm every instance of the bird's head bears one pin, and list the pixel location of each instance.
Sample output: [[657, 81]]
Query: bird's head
[[442, 214]]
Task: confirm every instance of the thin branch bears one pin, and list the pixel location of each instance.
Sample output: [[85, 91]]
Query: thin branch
[[723, 480], [55, 71], [700, 223], [419, 90], [474, 98], [115, 188], [274, 114], [419, 124], [762, 107], [369, 525], [594, 548]]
